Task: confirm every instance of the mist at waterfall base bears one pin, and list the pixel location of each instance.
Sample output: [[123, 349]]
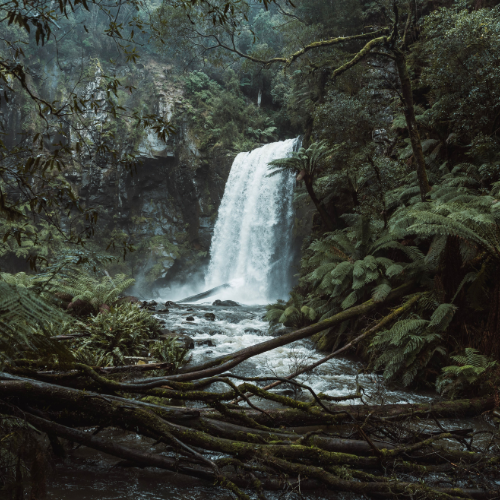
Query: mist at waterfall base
[[252, 247]]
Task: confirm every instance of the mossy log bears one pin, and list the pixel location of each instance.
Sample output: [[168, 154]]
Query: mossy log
[[256, 456]]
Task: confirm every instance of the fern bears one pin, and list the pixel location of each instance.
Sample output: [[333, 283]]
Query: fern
[[351, 264], [405, 350], [307, 160], [292, 313], [25, 324], [169, 351], [89, 288], [470, 367], [118, 333]]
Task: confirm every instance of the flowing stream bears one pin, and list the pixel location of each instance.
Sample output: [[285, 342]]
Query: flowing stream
[[251, 251]]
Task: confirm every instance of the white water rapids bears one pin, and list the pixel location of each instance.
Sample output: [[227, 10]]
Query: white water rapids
[[252, 242]]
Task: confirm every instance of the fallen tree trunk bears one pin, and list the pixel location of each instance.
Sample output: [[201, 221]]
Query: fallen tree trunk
[[259, 444], [461, 408], [382, 489], [240, 433], [348, 346]]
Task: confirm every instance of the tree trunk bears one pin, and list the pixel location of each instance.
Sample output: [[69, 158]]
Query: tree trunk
[[411, 122], [327, 221]]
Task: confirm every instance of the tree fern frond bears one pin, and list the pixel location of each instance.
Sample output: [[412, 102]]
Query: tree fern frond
[[380, 292], [349, 301], [442, 317]]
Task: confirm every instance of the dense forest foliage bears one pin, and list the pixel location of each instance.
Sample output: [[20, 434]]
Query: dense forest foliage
[[397, 104]]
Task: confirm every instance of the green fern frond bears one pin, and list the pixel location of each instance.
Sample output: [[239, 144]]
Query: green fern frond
[[26, 321], [442, 317], [380, 292]]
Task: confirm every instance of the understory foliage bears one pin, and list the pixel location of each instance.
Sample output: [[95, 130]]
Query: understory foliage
[[94, 290], [445, 244], [469, 369], [32, 314], [292, 313], [25, 325], [121, 332], [222, 117], [409, 346]]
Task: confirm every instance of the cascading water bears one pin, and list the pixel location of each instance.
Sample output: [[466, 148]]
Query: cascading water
[[252, 243]]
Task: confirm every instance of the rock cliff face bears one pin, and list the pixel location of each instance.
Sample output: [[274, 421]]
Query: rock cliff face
[[168, 206]]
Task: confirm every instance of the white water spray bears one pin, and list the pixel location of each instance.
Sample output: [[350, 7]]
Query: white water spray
[[252, 243]]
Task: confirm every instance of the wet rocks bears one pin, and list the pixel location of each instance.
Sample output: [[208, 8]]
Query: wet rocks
[[80, 308], [216, 332], [149, 305], [209, 316], [163, 311], [253, 331], [285, 392], [169, 303], [225, 303], [190, 318], [207, 342]]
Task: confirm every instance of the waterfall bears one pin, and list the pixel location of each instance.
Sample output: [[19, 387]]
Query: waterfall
[[252, 243]]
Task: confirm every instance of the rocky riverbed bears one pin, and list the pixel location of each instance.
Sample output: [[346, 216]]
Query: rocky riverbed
[[223, 327]]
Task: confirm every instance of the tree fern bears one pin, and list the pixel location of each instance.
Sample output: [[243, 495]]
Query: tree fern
[[307, 160], [351, 264], [470, 367], [292, 313], [92, 289], [410, 344]]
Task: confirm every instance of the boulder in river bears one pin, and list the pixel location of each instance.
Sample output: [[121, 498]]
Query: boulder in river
[[208, 342], [163, 311], [253, 331], [184, 340], [190, 318], [210, 316], [225, 303], [149, 305]]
